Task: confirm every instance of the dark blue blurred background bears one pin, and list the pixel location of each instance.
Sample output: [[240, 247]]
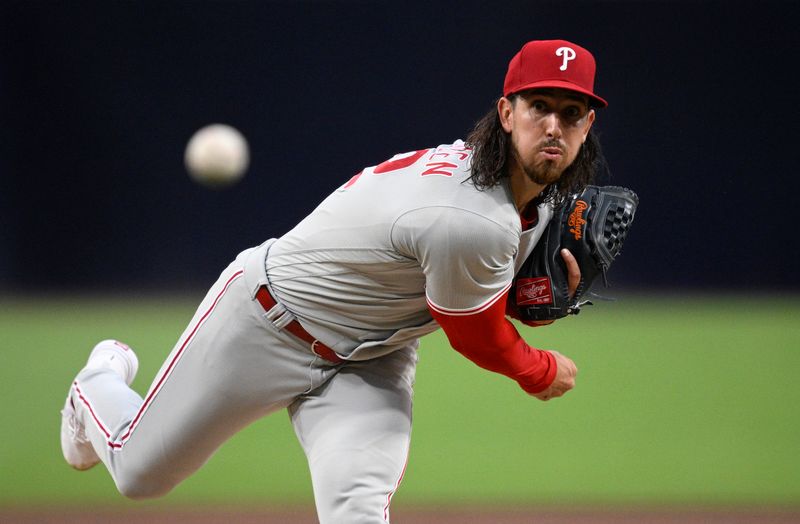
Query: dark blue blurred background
[[98, 100]]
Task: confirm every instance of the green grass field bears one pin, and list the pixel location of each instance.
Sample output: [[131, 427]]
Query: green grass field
[[680, 400]]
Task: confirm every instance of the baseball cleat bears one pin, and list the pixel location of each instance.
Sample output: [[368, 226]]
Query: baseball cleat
[[75, 445], [77, 450]]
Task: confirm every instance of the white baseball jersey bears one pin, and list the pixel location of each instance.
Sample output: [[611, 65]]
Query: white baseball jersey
[[361, 270]]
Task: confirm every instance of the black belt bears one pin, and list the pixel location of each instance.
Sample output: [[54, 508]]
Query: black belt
[[318, 348]]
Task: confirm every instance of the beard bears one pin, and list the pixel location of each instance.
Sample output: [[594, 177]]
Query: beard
[[543, 172]]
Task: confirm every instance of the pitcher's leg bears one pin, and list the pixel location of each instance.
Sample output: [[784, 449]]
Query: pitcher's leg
[[356, 431], [109, 361], [228, 369]]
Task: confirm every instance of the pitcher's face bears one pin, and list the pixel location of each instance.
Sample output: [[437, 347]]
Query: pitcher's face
[[547, 128]]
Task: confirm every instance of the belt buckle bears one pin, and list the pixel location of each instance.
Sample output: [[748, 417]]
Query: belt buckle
[[314, 348], [330, 355]]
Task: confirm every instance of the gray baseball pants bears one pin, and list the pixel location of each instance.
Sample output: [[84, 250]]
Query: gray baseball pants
[[231, 367]]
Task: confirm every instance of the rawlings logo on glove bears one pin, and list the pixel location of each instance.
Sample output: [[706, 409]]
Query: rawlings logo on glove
[[576, 221], [533, 291], [593, 226]]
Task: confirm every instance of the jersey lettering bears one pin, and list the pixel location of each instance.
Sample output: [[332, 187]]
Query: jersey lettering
[[404, 160], [439, 168], [460, 153]]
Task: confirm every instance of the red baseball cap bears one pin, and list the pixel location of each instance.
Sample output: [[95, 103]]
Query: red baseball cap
[[552, 63]]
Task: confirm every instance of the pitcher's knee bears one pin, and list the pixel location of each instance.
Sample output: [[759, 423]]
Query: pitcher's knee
[[139, 485]]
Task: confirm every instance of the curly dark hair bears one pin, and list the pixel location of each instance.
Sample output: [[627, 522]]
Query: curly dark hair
[[490, 143]]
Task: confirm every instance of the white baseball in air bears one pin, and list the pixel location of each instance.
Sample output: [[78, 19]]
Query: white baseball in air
[[217, 155]]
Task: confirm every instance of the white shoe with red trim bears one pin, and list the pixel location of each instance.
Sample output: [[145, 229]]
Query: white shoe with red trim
[[76, 447]]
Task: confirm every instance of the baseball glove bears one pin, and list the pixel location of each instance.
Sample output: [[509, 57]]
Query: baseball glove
[[592, 225]]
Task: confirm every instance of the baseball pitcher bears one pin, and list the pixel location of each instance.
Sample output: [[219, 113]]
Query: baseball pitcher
[[325, 320]]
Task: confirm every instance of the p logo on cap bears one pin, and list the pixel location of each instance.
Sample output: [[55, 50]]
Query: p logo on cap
[[552, 63], [568, 53]]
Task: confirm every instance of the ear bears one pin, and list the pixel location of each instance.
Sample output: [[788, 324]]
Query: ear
[[589, 121], [505, 110]]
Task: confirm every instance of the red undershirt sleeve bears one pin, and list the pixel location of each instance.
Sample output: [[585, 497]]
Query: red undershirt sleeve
[[492, 342]]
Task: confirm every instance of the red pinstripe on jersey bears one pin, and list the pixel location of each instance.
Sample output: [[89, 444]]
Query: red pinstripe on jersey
[[119, 442]]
